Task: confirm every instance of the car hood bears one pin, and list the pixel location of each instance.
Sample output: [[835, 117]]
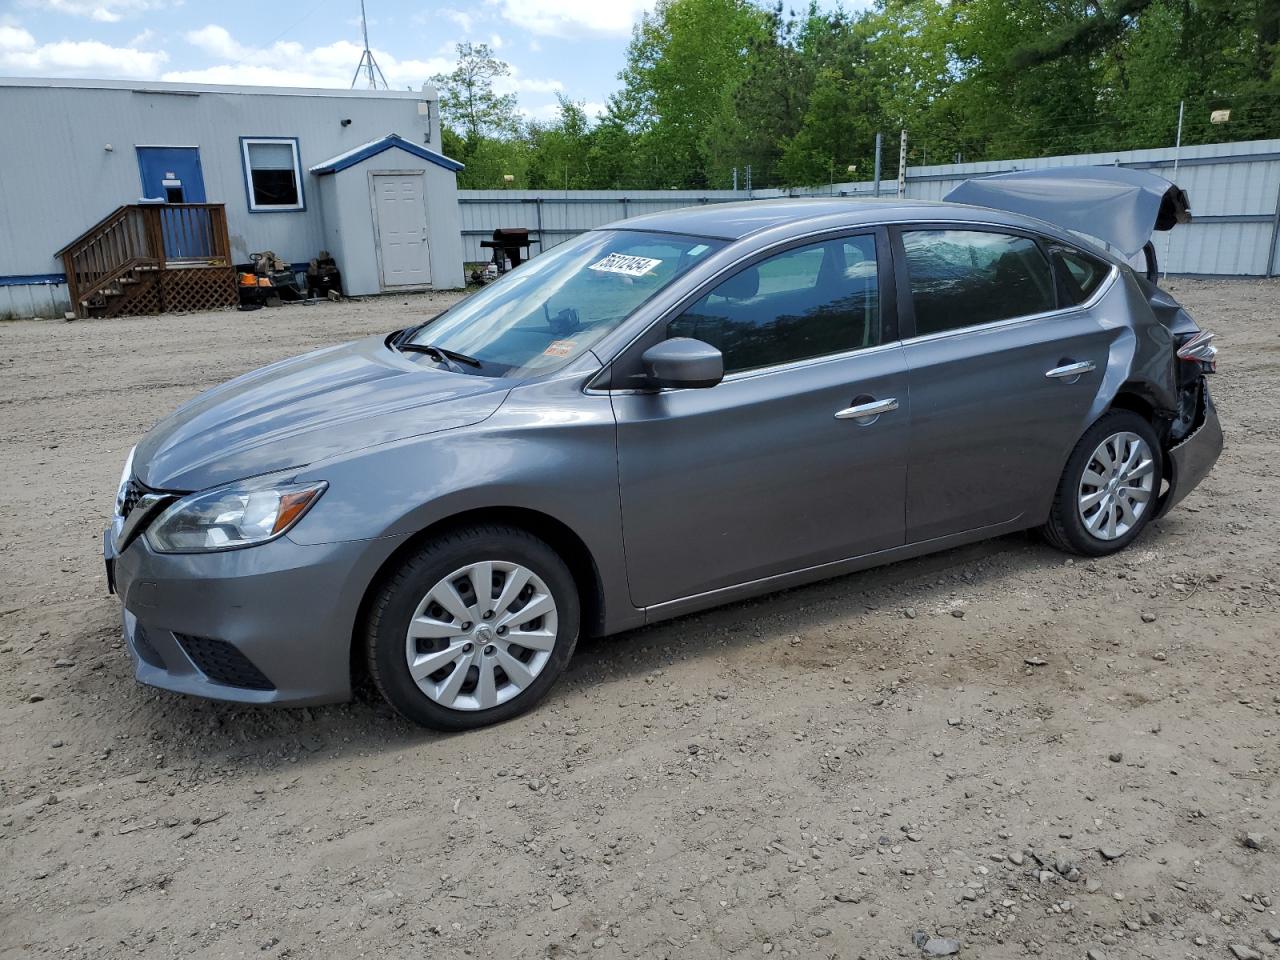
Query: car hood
[[308, 408], [1115, 204]]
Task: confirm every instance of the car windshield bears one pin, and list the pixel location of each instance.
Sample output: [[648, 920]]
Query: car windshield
[[557, 305]]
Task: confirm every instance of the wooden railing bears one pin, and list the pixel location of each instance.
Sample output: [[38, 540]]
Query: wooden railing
[[143, 236]]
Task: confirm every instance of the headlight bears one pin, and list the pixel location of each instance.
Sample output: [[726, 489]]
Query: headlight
[[239, 515], [125, 476]]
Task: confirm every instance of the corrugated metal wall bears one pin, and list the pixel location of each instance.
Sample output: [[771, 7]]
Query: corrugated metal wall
[[558, 215], [1234, 190]]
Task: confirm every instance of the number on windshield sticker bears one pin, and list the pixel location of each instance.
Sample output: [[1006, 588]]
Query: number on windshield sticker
[[626, 265]]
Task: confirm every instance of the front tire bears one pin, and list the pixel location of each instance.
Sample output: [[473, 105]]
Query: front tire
[[1109, 488], [473, 628]]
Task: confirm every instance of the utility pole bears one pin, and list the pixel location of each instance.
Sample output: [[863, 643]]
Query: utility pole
[[902, 165], [1177, 144], [877, 177], [1177, 152]]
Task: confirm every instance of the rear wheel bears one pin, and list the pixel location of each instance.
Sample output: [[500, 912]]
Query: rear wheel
[[473, 629], [1109, 489]]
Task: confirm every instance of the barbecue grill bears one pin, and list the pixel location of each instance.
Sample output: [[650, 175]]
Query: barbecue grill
[[509, 243]]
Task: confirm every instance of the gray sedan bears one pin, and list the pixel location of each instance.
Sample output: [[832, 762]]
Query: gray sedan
[[659, 416]]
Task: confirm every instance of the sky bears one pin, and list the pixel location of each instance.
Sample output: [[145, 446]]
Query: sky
[[572, 47]]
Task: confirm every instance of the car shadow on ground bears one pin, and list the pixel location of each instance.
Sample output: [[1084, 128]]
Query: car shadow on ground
[[245, 739]]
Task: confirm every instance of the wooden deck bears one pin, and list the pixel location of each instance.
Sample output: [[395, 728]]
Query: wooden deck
[[147, 258]]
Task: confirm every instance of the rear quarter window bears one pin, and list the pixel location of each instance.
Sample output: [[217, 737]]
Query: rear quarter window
[[1078, 274]]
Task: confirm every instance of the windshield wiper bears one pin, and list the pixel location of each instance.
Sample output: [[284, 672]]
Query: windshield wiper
[[439, 354]]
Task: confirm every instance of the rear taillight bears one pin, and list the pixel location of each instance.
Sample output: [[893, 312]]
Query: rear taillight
[[1200, 348]]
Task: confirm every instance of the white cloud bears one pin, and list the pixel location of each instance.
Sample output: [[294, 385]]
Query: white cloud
[[104, 11], [464, 20], [290, 64], [576, 17], [495, 41], [550, 112], [546, 113], [215, 41], [515, 82], [21, 54]]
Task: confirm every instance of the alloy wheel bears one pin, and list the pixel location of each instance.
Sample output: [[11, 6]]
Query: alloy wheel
[[481, 635], [1117, 486]]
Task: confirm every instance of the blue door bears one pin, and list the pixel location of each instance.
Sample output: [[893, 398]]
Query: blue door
[[172, 175]]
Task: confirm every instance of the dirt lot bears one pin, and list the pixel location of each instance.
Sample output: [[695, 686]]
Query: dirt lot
[[998, 745]]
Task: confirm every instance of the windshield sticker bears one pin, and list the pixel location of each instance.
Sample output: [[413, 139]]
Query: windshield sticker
[[626, 265], [700, 248], [559, 348]]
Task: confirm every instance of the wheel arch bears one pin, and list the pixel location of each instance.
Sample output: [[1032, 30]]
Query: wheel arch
[[555, 533], [1135, 397]]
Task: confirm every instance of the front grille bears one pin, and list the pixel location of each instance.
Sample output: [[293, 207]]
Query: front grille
[[223, 663], [142, 644], [133, 492]]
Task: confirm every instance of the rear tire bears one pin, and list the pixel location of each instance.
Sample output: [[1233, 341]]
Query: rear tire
[[1109, 488], [444, 630]]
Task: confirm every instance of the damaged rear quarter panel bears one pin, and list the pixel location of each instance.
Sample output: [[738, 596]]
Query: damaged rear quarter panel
[[1141, 361]]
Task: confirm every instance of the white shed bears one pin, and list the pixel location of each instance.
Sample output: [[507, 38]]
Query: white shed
[[391, 216]]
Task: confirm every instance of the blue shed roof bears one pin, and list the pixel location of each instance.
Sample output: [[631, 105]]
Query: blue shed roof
[[375, 147]]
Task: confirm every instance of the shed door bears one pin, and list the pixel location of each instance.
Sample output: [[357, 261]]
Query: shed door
[[400, 211]]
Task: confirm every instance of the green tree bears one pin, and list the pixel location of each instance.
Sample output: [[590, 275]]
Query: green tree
[[467, 98], [683, 58], [560, 151], [713, 85]]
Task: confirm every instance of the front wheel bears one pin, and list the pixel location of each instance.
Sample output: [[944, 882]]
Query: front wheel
[[472, 629], [1109, 489]]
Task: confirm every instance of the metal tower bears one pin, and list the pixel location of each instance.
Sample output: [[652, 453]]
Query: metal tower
[[367, 65]]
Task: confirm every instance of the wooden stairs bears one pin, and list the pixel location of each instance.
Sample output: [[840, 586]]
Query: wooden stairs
[[148, 258]]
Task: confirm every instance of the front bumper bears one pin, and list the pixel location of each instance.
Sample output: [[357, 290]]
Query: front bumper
[[1191, 459], [266, 624]]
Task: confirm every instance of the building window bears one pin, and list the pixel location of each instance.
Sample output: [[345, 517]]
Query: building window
[[272, 173]]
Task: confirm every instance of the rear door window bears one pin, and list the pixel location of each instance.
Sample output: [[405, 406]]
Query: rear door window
[[963, 278]]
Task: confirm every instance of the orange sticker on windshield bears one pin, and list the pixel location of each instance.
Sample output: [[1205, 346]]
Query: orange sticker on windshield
[[559, 348]]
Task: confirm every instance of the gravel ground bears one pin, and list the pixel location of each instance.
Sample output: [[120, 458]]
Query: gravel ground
[[999, 746]]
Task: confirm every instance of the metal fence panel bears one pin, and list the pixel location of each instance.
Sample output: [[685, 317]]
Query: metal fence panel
[[1234, 190]]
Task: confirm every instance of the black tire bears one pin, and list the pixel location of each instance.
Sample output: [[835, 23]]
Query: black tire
[[1065, 528], [398, 597]]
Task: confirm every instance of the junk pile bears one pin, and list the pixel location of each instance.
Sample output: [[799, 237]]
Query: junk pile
[[267, 280], [324, 279]]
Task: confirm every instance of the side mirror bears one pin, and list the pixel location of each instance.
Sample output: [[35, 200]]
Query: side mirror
[[683, 362]]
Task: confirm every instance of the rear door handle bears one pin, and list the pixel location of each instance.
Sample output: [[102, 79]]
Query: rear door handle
[[1069, 371], [866, 412]]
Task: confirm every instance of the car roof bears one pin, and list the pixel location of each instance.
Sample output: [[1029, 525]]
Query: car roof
[[786, 215]]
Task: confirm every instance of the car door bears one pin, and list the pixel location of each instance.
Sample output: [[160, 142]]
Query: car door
[[770, 470], [1003, 369]]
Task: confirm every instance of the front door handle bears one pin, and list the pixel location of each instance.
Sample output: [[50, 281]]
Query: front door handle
[[867, 412], [1070, 371]]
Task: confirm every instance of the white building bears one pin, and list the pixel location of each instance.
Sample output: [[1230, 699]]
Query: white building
[[165, 170]]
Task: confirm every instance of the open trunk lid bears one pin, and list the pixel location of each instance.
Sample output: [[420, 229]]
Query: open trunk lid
[[1118, 206]]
